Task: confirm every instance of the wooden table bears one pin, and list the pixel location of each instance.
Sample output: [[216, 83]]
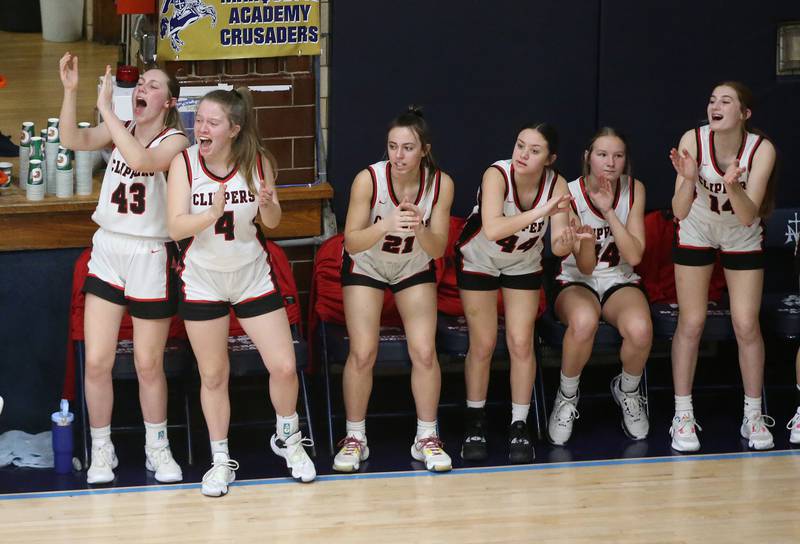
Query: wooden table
[[66, 222]]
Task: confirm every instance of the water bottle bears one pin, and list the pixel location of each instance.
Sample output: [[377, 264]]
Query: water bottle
[[62, 438]]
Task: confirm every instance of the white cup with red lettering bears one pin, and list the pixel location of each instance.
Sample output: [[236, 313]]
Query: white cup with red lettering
[[5, 174]]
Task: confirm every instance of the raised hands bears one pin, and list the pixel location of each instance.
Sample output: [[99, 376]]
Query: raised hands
[[68, 70], [106, 92], [558, 204], [685, 165], [218, 202], [574, 233], [602, 194], [267, 196], [733, 173]]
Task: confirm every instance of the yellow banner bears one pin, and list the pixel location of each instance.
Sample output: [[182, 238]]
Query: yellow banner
[[235, 29]]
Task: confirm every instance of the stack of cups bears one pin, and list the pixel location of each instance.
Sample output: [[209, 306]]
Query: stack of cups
[[37, 154], [83, 168], [36, 183], [64, 172], [25, 153], [51, 153]]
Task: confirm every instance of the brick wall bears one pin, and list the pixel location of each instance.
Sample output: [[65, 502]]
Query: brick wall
[[286, 119]]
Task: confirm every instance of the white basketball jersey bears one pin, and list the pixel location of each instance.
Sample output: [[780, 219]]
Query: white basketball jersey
[[711, 201], [234, 240], [526, 240], [131, 202], [402, 244], [609, 261]]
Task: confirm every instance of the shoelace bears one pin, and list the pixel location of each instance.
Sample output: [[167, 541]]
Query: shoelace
[[761, 423], [572, 412], [162, 455], [297, 451], [690, 422], [633, 403], [792, 422], [432, 443], [351, 445], [105, 452], [214, 473]]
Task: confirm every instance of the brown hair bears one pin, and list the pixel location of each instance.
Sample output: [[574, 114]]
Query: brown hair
[[246, 147], [173, 118], [747, 101], [607, 131], [413, 119]]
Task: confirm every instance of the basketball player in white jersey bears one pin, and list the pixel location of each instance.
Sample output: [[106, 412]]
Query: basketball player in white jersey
[[397, 222], [131, 265], [500, 247], [599, 282], [723, 188], [216, 189]]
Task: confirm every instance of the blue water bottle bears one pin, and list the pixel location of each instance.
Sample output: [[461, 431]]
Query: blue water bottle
[[62, 438]]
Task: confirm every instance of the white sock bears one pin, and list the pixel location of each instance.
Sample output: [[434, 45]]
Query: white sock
[[357, 429], [629, 383], [100, 435], [683, 406], [155, 434], [426, 428], [476, 403], [752, 406], [286, 426], [219, 450], [569, 386], [519, 412]]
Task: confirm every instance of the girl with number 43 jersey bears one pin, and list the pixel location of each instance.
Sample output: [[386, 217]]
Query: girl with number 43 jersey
[[724, 186], [216, 189], [131, 265]]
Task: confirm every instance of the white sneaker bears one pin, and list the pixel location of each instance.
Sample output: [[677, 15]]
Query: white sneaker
[[684, 433], [216, 480], [565, 412], [634, 416], [297, 459], [794, 427], [756, 432], [160, 461], [431, 450], [352, 451], [104, 461]]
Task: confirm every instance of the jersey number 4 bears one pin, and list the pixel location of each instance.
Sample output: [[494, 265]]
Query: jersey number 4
[[391, 244], [610, 255], [714, 205], [224, 226], [129, 198], [509, 244]]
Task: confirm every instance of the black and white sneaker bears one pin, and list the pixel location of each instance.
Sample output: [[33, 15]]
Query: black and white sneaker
[[520, 447], [474, 447]]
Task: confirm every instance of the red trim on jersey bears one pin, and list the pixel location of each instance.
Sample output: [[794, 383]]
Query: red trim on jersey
[[374, 177], [394, 198], [699, 144], [159, 135], [714, 156], [685, 246], [436, 184], [188, 165], [505, 178], [146, 299], [260, 170], [753, 154], [213, 176], [539, 190]]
